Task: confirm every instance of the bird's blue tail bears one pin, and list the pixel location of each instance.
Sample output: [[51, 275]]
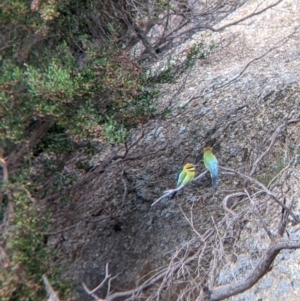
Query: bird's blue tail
[[214, 175], [214, 181]]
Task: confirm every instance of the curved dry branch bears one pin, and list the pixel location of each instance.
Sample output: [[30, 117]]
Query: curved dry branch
[[259, 271], [228, 82], [228, 197], [264, 188], [92, 292], [284, 216]]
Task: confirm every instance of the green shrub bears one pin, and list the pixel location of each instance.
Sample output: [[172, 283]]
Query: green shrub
[[25, 257], [98, 99]]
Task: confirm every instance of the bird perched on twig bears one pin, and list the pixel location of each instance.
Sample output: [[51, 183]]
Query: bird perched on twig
[[187, 174], [211, 163]]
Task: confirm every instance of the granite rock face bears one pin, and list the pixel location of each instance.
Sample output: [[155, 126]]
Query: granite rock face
[[235, 100]]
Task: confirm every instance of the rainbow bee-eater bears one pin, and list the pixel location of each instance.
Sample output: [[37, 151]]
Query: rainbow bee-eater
[[211, 163], [187, 174]]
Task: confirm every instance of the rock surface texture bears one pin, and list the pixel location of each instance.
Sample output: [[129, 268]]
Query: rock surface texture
[[234, 101]]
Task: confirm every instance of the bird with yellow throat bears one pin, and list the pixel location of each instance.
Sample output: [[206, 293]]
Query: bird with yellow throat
[[187, 174]]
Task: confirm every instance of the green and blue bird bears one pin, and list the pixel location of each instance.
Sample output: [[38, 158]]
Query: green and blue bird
[[187, 174], [211, 163]]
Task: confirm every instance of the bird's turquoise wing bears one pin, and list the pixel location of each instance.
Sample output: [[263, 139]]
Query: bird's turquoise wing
[[211, 163], [181, 177]]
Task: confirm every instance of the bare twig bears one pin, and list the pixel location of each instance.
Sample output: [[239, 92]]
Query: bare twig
[[262, 267], [227, 198], [171, 192], [264, 225], [158, 276], [227, 83], [108, 161], [265, 189], [51, 293], [273, 139], [191, 222], [167, 193], [249, 16], [284, 217], [92, 292]]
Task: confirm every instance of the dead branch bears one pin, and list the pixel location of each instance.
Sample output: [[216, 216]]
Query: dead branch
[[171, 192], [273, 139], [167, 193], [264, 225], [191, 222], [249, 16], [284, 217], [133, 144], [227, 83], [178, 32], [110, 160], [143, 37], [227, 198], [92, 292], [145, 285], [263, 266], [264, 188], [207, 26], [185, 28], [158, 276], [50, 291]]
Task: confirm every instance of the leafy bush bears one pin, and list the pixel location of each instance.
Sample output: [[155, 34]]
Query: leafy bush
[[98, 101], [57, 67], [25, 257]]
